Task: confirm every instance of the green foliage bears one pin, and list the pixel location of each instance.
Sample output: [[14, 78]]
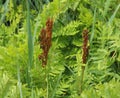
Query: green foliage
[[21, 73], [9, 88], [106, 90]]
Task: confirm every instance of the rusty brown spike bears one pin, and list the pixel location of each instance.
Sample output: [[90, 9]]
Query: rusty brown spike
[[45, 42]]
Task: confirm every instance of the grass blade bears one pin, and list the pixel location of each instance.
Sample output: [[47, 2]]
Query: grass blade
[[30, 41], [6, 9], [107, 4], [30, 44], [19, 83], [113, 16], [93, 27]]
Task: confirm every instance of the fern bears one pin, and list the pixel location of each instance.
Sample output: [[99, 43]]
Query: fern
[[62, 75], [9, 88]]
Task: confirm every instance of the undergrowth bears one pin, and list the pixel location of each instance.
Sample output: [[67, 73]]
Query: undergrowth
[[21, 72]]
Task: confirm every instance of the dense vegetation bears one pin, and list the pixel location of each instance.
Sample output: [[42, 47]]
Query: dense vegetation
[[65, 75]]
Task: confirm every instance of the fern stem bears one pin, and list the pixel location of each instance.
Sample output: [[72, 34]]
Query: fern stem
[[81, 81], [84, 56], [58, 80], [47, 85]]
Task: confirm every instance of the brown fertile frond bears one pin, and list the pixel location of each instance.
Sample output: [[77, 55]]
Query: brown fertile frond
[[45, 41], [85, 46]]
